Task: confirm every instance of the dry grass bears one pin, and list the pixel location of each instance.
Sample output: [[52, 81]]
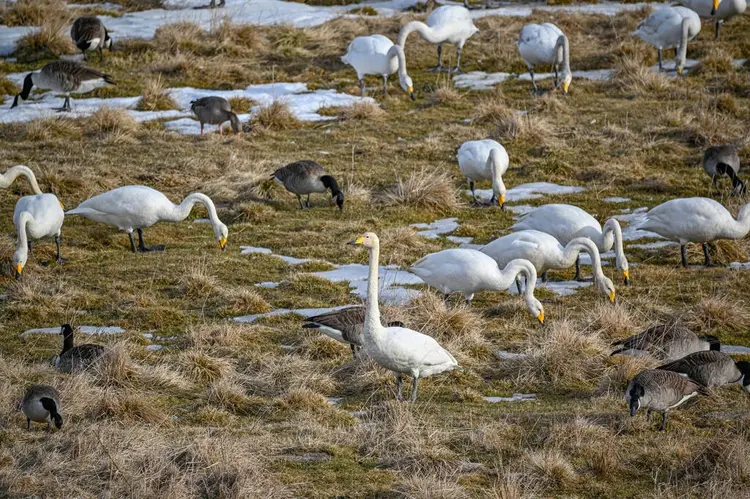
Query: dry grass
[[112, 123], [429, 486], [720, 313], [201, 367], [551, 467], [366, 111], [444, 94], [32, 12], [49, 42], [633, 77], [276, 116], [424, 189], [155, 98]]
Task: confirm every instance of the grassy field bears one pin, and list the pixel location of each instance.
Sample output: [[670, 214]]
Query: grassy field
[[226, 411]]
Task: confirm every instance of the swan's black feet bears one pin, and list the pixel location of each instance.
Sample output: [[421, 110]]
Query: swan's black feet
[[146, 249], [456, 71], [60, 260], [437, 69]]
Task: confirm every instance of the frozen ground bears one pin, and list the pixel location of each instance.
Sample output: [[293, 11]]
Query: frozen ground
[[90, 330], [304, 312], [437, 228], [534, 190]]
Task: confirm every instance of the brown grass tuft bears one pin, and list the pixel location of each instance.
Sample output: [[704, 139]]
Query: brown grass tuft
[[423, 189], [202, 367], [112, 123], [129, 406], [115, 368], [444, 94], [230, 396], [155, 98], [32, 12], [632, 76], [491, 110], [48, 42], [276, 116], [363, 110], [428, 486], [720, 313], [715, 63], [551, 467]]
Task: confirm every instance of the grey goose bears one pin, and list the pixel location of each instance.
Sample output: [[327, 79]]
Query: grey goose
[[724, 160], [305, 177], [712, 369], [666, 342], [66, 77], [660, 391], [88, 33], [41, 404], [215, 111], [76, 358]]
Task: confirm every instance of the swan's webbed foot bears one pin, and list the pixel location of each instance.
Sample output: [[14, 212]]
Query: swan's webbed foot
[[143, 248], [437, 69], [545, 276], [456, 71]]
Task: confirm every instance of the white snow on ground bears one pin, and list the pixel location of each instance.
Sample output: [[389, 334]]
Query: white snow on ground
[[516, 397], [390, 286], [460, 240], [90, 330], [653, 246], [740, 265], [437, 228], [560, 288], [635, 219], [304, 312], [735, 349], [504, 355], [101, 6], [519, 210], [616, 199], [479, 80], [291, 260], [533, 190]]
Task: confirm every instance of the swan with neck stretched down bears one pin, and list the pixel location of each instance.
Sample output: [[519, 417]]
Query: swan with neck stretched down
[[399, 349], [546, 44], [36, 217], [377, 55], [7, 178], [135, 207], [546, 253], [484, 160], [670, 27], [566, 222]]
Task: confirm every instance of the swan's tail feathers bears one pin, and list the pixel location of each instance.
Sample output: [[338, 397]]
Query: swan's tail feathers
[[345, 59], [80, 211]]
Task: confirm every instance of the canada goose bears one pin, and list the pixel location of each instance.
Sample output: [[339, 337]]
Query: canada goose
[[670, 27], [566, 222], [41, 404], [712, 368], [76, 358], [447, 24], [66, 77], [345, 325], [546, 44], [398, 349], [215, 111], [666, 342], [696, 220], [212, 5], [545, 253], [723, 160], [484, 160], [718, 10], [468, 271], [8, 177], [659, 391], [89, 33], [36, 217], [377, 55], [137, 207], [305, 177]]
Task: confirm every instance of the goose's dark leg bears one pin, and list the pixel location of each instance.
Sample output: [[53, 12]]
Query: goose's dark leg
[[414, 385], [362, 87], [48, 428], [301, 206], [439, 66], [457, 70], [399, 387], [58, 242], [706, 255], [142, 247], [578, 268], [201, 128], [718, 27], [101, 54], [308, 202], [545, 277], [658, 51], [132, 242], [683, 254], [28, 424], [663, 426], [354, 351]]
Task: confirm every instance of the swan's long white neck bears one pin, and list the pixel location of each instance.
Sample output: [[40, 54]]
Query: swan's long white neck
[[574, 247], [427, 33], [398, 52], [8, 177], [613, 226], [493, 164], [563, 43], [682, 52], [373, 327], [505, 278], [22, 248], [741, 227], [180, 212]]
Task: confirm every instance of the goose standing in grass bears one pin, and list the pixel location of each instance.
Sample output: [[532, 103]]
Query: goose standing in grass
[[468, 271], [305, 177], [546, 44], [712, 368], [215, 111], [7, 178], [724, 160], [696, 220], [65, 77], [399, 349], [566, 222], [666, 342], [89, 33], [484, 160], [41, 404], [36, 217], [545, 253], [447, 24], [135, 207], [660, 391], [670, 27], [718, 10], [76, 358], [377, 55]]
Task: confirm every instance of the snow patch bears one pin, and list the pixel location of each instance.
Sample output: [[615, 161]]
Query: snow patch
[[616, 199], [635, 219], [655, 245], [291, 260], [735, 349], [89, 330], [437, 228], [516, 397], [739, 265], [534, 190], [390, 286], [304, 312], [505, 355], [560, 288]]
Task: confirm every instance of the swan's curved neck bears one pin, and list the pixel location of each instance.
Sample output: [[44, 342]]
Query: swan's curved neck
[[372, 311], [613, 226], [682, 51], [427, 33], [22, 248], [742, 225], [563, 43], [398, 52], [505, 278], [180, 212], [493, 164], [8, 177], [586, 245]]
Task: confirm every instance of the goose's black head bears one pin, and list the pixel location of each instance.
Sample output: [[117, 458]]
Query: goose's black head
[[713, 342], [66, 330], [51, 407], [330, 183], [744, 367], [58, 420], [28, 84], [636, 392]]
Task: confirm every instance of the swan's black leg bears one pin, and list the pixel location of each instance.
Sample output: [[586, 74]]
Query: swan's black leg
[[557, 77], [385, 85], [545, 277], [362, 87], [473, 194], [414, 385], [28, 246], [143, 248], [399, 387], [578, 268], [28, 424], [439, 66], [718, 27], [658, 51], [457, 70], [706, 255], [683, 254], [58, 242], [132, 242]]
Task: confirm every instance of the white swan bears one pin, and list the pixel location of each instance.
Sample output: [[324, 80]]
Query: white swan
[[468, 271], [718, 10], [566, 222], [137, 207], [377, 55], [13, 173], [447, 24], [696, 220], [546, 44], [36, 217], [670, 27], [484, 160], [398, 349], [545, 253]]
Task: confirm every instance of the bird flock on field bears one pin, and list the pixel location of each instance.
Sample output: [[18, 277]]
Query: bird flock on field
[[550, 237]]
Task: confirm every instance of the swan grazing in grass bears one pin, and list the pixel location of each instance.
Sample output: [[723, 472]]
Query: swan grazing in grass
[[670, 27], [398, 349], [137, 207], [484, 160], [696, 220], [546, 44], [13, 173], [718, 10], [447, 24], [377, 55], [36, 217], [545, 253], [468, 271], [566, 222]]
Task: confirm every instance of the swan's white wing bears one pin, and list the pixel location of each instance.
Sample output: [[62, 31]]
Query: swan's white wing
[[525, 244], [415, 349]]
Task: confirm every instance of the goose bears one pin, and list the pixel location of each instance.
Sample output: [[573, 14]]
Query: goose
[[724, 160], [66, 77], [345, 325], [666, 342], [545, 253], [447, 24], [215, 111], [696, 220], [137, 207], [398, 349], [13, 173], [670, 27], [719, 10], [377, 55], [712, 368], [41, 404], [660, 391], [76, 358], [468, 271], [35, 217], [484, 160], [566, 222], [305, 177], [546, 44], [89, 33]]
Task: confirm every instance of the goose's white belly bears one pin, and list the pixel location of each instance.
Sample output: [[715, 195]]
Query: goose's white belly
[[89, 85], [35, 411]]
